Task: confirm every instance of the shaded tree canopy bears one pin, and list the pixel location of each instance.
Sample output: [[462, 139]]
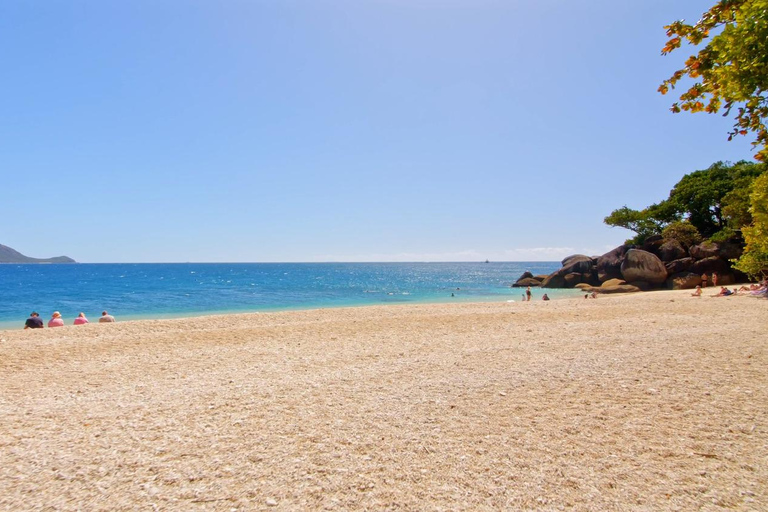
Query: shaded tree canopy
[[731, 71], [754, 261], [714, 201]]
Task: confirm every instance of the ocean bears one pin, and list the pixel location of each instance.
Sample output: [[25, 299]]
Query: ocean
[[163, 290]]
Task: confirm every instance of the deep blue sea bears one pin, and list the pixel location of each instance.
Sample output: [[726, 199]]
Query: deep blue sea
[[148, 290]]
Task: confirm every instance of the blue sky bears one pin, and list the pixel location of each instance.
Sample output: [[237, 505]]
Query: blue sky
[[330, 130]]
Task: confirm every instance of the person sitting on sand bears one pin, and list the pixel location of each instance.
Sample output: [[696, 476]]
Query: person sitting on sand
[[34, 321], [724, 292], [594, 295], [56, 320], [106, 318], [697, 293], [81, 320], [545, 297]]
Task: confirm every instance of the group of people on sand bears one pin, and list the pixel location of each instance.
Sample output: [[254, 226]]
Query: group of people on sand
[[753, 289], [35, 322]]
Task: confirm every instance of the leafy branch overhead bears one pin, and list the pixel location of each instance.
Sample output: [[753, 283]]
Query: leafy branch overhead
[[731, 71]]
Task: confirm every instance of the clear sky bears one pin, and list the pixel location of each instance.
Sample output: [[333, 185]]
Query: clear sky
[[332, 130]]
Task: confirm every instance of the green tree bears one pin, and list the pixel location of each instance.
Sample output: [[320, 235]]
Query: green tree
[[713, 201], [730, 71], [701, 196], [754, 261], [682, 231], [638, 221]]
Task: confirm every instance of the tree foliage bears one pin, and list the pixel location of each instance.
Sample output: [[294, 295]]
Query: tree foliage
[[731, 71], [700, 196], [638, 221], [714, 201], [682, 231], [754, 261]]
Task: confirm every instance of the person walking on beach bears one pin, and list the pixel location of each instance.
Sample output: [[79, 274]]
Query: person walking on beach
[[704, 280], [56, 320], [106, 318], [34, 321], [528, 294], [81, 320], [714, 279]]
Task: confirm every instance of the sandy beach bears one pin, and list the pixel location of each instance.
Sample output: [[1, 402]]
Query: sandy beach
[[654, 401]]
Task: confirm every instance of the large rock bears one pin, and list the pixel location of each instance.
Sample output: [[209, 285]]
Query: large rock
[[576, 269], [524, 283], [614, 282], [591, 278], [572, 279], [620, 288], [652, 244], [677, 266], [671, 250], [683, 281], [540, 277], [709, 265], [639, 265], [523, 280], [609, 264], [724, 250], [578, 263], [554, 280], [730, 251], [725, 279]]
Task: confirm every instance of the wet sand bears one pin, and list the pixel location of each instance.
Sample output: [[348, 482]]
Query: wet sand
[[654, 401]]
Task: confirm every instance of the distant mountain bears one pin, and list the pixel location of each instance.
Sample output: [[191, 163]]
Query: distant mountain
[[8, 255]]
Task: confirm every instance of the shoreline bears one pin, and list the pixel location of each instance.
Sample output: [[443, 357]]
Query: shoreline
[[635, 401], [6, 326], [514, 297]]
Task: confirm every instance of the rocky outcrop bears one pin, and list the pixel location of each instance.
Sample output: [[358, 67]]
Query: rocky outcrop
[[658, 263], [8, 255], [652, 244], [572, 279], [709, 265], [704, 250], [609, 264], [671, 250], [619, 288], [723, 250], [578, 263], [554, 280], [683, 281], [677, 266], [526, 282], [639, 265]]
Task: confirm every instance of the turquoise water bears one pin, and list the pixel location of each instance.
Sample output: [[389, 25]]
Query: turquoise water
[[189, 289]]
